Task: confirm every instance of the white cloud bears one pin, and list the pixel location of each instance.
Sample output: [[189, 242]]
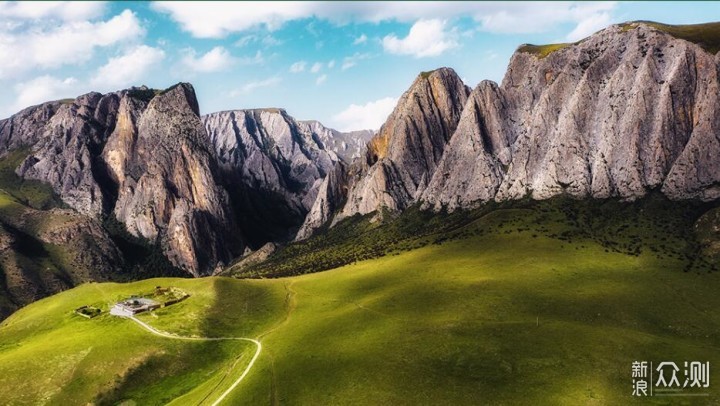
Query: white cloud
[[331, 64], [360, 40], [321, 79], [218, 19], [589, 26], [128, 69], [252, 60], [350, 61], [42, 89], [531, 17], [215, 60], [70, 43], [369, 116], [316, 67], [249, 87], [426, 38], [267, 40], [63, 10], [298, 67], [211, 19]]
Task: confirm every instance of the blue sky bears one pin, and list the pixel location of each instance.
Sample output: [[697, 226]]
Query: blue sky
[[342, 63]]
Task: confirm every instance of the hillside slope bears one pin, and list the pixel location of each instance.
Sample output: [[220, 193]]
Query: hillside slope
[[452, 322]]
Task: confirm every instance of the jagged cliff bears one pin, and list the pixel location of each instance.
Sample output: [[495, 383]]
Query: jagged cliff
[[631, 109], [273, 165], [269, 150], [628, 110], [199, 188], [138, 155], [165, 171], [403, 156]]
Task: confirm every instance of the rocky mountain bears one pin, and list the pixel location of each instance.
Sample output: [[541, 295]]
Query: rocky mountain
[[273, 166], [639, 112], [135, 183], [139, 156], [403, 156], [161, 161], [631, 109], [348, 146], [330, 198], [198, 188]]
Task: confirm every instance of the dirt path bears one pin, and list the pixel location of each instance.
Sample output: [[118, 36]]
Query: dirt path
[[160, 333]]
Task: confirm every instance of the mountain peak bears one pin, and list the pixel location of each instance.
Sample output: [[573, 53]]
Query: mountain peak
[[178, 96]]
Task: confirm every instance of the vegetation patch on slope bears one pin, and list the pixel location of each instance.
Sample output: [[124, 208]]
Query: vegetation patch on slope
[[707, 35], [542, 51], [35, 194], [654, 224]]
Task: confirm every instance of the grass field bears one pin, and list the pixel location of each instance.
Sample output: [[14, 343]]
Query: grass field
[[498, 312], [50, 355]]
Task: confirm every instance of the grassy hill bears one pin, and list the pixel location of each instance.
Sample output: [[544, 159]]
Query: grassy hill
[[666, 229], [545, 304]]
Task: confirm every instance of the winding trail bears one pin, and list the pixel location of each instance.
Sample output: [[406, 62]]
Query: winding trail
[[160, 333]]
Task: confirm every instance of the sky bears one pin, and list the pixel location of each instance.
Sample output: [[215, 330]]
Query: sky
[[342, 63]]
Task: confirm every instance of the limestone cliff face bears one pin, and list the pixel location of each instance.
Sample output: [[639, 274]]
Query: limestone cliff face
[[167, 187], [330, 198], [273, 167], [630, 109], [472, 166], [66, 138], [271, 151], [348, 146], [140, 155], [403, 156]]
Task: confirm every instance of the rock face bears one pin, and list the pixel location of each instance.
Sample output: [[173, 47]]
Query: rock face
[[139, 155], [403, 156], [330, 198], [348, 146], [66, 139], [166, 175], [472, 167], [628, 110], [198, 187], [273, 166]]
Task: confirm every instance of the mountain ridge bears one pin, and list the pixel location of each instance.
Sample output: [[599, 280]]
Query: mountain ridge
[[574, 119], [629, 110]]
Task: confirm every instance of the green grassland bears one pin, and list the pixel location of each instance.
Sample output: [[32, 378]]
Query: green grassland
[[50, 355], [540, 303], [654, 225]]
